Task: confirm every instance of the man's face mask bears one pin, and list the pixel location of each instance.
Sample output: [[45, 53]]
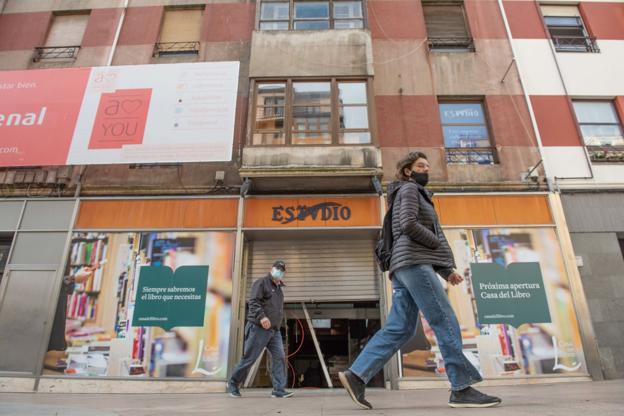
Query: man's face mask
[[277, 273]]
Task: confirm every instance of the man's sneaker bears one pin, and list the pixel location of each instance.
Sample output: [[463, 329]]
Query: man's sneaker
[[355, 387], [470, 397], [281, 394], [233, 390]]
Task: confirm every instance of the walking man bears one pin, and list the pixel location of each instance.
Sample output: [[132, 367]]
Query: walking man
[[262, 330], [419, 252]]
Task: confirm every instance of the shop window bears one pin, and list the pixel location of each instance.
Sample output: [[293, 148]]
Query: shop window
[[601, 130], [180, 32], [311, 113], [447, 28], [311, 15], [64, 37], [466, 133], [567, 31]]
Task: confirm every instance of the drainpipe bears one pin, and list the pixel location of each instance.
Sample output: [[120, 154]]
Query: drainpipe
[[526, 95], [117, 33]]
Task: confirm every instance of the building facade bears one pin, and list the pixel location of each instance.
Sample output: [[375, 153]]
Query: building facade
[[327, 97]]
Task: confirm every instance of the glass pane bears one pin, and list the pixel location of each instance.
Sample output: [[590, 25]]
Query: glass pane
[[347, 9], [311, 138], [455, 113], [595, 112], [273, 138], [466, 136], [271, 118], [348, 24], [562, 21], [312, 93], [354, 118], [352, 93], [311, 118], [355, 137], [270, 94], [273, 25], [312, 25], [274, 11], [566, 32], [311, 10], [602, 135]]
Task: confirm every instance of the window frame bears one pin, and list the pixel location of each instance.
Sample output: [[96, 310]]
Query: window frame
[[601, 153], [185, 48], [487, 123], [62, 53], [590, 44], [335, 129], [291, 15]]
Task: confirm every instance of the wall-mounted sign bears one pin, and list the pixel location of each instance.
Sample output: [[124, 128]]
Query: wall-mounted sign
[[514, 295], [166, 299], [312, 212], [121, 114]]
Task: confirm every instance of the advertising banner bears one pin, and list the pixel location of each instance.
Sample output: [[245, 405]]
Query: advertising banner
[[123, 114]]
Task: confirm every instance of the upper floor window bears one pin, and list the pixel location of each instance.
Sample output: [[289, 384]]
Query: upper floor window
[[311, 113], [466, 135], [64, 37], [567, 30], [601, 130], [180, 32], [447, 28], [311, 15]]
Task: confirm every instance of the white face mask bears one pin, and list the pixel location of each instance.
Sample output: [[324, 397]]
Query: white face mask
[[277, 273]]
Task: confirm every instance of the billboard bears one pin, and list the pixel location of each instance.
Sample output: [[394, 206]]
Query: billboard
[[122, 114]]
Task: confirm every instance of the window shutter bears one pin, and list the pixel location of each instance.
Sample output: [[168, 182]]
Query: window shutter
[[181, 26], [67, 30], [445, 21]]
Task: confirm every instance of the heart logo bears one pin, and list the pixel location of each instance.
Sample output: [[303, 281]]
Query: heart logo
[[130, 106]]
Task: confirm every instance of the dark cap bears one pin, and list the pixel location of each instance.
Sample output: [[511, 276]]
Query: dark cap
[[279, 265]]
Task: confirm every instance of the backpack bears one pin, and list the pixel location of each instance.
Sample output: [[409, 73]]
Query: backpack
[[383, 248]]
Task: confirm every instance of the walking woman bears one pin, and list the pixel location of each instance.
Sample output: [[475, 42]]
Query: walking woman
[[419, 253]]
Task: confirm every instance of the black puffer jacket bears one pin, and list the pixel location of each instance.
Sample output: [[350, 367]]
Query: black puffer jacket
[[418, 236]]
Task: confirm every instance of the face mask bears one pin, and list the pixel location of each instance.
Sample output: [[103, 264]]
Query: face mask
[[277, 273], [421, 178]]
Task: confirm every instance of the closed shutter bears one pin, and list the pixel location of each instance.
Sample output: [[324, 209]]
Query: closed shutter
[[181, 26], [445, 22], [319, 270], [67, 30]]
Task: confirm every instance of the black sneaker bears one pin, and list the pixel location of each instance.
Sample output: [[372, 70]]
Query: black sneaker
[[355, 387], [470, 397], [233, 390], [281, 394]]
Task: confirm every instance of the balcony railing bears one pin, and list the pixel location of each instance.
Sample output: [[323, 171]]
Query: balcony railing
[[56, 53], [437, 43], [176, 48], [470, 155], [575, 44], [606, 154]]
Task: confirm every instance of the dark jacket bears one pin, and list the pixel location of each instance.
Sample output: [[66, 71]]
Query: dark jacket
[[266, 300], [416, 230]]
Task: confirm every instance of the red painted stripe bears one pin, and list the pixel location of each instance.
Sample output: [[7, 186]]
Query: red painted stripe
[[510, 121], [102, 27], [393, 19], [228, 22], [484, 19], [524, 19], [408, 120], [141, 25], [555, 120], [604, 20], [19, 31]]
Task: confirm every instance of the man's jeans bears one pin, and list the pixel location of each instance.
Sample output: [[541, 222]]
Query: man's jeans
[[256, 339], [418, 288]]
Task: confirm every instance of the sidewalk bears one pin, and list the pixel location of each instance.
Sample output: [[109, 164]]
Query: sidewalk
[[588, 399]]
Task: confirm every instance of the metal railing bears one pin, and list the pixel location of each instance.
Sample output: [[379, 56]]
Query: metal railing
[[55, 52], [606, 154], [575, 44], [438, 43], [470, 155], [176, 48]]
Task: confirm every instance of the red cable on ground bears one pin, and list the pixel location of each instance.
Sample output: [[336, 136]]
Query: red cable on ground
[[294, 375]]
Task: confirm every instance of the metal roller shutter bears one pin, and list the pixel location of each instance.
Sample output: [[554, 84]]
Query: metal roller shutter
[[319, 270]]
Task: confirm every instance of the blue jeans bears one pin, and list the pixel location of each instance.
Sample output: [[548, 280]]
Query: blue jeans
[[256, 339], [418, 288]]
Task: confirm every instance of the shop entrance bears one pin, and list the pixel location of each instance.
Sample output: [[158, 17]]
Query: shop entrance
[[341, 330]]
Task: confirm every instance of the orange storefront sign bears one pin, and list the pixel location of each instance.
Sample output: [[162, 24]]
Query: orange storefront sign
[[311, 212]]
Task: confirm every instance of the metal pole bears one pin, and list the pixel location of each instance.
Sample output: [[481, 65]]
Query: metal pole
[[317, 346], [109, 62]]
